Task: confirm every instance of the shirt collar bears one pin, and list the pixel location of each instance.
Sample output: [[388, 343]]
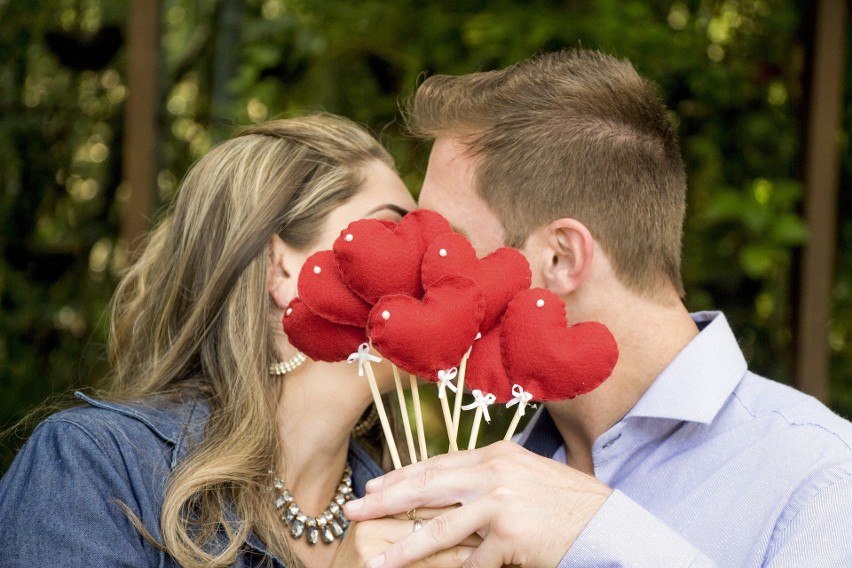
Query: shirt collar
[[698, 381], [692, 388]]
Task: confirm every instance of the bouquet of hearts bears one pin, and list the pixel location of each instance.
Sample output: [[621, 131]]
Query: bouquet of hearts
[[415, 293]]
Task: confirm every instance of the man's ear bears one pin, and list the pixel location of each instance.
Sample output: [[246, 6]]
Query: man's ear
[[571, 248], [282, 273]]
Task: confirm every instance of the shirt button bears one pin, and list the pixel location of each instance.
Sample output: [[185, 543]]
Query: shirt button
[[611, 442]]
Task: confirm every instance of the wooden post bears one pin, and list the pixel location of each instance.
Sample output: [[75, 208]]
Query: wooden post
[[140, 122], [821, 181]]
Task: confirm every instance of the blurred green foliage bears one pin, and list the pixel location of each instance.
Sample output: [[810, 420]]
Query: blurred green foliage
[[733, 73]]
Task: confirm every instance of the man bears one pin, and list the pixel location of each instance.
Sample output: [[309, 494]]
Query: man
[[682, 457]]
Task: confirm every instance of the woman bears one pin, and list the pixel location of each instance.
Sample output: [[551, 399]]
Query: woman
[[207, 404]]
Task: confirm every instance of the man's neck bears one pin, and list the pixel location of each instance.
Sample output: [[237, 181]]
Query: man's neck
[[649, 336]]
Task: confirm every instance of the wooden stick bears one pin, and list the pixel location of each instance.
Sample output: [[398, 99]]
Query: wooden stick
[[459, 394], [481, 402], [515, 419], [377, 398], [412, 453], [448, 421], [418, 416], [474, 431]]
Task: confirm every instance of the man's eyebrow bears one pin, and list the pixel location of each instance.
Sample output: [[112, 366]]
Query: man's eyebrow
[[395, 208]]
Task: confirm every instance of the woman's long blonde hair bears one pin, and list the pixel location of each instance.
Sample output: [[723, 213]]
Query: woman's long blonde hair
[[191, 318]]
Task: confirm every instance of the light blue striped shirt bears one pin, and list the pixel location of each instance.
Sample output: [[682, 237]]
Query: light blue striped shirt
[[716, 466]]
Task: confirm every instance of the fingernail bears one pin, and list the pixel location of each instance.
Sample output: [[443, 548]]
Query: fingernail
[[354, 505], [376, 562], [374, 484]]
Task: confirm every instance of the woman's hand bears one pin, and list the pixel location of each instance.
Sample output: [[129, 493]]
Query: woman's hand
[[368, 539]]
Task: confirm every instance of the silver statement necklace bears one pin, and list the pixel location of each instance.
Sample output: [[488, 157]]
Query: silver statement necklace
[[328, 525], [332, 522]]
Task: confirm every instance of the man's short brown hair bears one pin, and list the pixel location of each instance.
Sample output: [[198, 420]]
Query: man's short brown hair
[[576, 134]]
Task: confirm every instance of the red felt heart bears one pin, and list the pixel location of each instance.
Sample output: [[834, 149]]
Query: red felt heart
[[322, 289], [551, 360], [424, 336], [500, 275], [485, 370], [429, 224], [376, 260], [317, 337]]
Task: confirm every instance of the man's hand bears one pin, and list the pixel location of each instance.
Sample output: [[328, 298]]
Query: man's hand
[[528, 509]]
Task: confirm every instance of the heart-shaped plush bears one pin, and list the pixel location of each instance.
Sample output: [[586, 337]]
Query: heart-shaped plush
[[317, 337], [429, 224], [485, 370], [376, 260], [322, 289], [424, 336], [500, 275], [551, 359]]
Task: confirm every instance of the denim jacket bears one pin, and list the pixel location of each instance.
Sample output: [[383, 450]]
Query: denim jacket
[[58, 500]]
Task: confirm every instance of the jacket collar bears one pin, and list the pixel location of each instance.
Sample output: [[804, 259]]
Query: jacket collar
[[180, 423]]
